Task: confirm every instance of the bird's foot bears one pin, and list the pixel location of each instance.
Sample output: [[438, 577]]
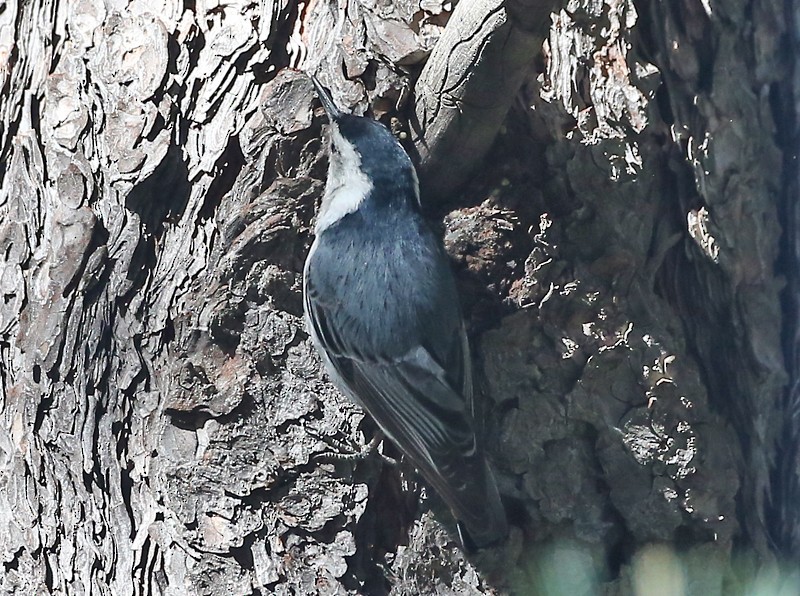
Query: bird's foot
[[371, 449]]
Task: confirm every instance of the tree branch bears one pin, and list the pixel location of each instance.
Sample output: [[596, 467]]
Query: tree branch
[[468, 84]]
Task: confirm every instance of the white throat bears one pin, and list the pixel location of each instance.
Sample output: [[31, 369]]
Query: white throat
[[347, 184]]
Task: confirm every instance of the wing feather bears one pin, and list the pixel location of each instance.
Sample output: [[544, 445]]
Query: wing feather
[[422, 400]]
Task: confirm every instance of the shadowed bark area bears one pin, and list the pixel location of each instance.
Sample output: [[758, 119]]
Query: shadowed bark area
[[623, 227]]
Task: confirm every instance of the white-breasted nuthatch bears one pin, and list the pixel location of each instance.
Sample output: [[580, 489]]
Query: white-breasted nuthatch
[[382, 310]]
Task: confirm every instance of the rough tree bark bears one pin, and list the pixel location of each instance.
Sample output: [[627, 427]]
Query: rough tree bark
[[621, 210]]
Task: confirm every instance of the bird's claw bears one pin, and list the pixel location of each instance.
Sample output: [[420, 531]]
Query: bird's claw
[[366, 451]]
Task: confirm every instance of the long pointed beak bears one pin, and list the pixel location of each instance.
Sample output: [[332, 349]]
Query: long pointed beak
[[325, 98]]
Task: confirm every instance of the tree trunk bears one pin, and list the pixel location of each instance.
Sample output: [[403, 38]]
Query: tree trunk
[[616, 185]]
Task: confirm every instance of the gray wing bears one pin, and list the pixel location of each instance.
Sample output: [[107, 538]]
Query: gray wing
[[413, 399], [420, 401]]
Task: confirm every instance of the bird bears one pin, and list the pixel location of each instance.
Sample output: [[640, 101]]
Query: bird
[[382, 309]]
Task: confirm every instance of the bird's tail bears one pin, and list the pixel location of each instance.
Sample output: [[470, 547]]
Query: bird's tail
[[491, 528], [469, 489]]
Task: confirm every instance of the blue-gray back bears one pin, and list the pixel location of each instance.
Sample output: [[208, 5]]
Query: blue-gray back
[[398, 289]]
